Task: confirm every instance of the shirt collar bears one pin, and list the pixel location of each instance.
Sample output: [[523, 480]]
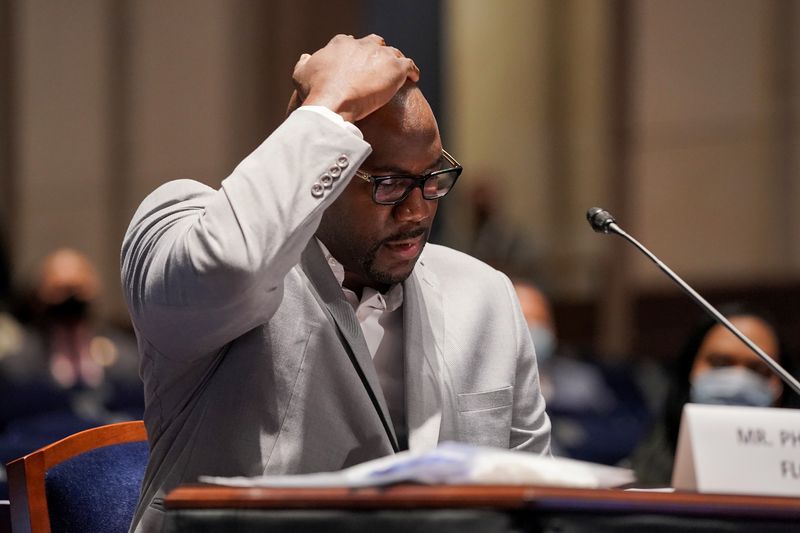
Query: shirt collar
[[393, 298]]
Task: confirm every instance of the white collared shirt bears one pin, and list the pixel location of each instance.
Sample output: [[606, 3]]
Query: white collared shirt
[[381, 319]]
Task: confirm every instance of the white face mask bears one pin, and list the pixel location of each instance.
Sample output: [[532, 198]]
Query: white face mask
[[543, 341], [732, 386]]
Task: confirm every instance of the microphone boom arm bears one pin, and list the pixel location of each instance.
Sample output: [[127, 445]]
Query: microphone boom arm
[[611, 227]]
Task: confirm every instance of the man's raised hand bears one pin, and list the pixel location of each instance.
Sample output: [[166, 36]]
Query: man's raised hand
[[352, 77]]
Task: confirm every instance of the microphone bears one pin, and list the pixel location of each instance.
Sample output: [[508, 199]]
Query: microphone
[[602, 222], [600, 219]]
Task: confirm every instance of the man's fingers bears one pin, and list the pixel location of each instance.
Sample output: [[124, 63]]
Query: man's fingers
[[352, 77], [302, 61], [395, 51], [339, 37], [375, 38], [411, 69]]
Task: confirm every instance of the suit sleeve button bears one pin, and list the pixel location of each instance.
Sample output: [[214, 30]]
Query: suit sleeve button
[[343, 161], [317, 190]]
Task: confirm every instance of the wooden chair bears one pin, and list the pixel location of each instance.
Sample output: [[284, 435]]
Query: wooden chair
[[86, 482]]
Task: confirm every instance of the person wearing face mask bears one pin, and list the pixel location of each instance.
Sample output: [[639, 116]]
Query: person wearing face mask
[[64, 370], [597, 411], [727, 372], [714, 368]]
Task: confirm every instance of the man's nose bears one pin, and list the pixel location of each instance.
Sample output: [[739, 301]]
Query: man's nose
[[414, 208]]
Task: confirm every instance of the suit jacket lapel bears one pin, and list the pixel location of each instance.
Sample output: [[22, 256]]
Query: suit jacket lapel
[[426, 374], [331, 297]]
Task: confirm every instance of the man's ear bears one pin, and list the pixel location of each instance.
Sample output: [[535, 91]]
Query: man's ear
[[294, 102]]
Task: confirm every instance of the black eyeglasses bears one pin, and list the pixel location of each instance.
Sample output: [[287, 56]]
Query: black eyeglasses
[[391, 190]]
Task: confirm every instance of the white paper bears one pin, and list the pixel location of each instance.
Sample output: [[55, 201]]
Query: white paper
[[451, 464]]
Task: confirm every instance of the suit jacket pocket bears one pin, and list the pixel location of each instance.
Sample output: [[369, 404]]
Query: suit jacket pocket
[[484, 418], [481, 401]]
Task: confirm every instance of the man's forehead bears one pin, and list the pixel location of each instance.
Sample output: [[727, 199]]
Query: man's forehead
[[404, 135], [401, 168]]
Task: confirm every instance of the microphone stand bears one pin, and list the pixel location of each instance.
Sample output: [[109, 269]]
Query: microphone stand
[[603, 222]]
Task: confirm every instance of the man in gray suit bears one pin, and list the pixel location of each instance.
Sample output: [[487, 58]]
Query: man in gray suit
[[295, 320]]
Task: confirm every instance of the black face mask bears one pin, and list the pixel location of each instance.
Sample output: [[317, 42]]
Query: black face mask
[[70, 310]]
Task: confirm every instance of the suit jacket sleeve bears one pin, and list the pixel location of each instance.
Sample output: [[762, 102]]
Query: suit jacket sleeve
[[200, 267], [530, 427]]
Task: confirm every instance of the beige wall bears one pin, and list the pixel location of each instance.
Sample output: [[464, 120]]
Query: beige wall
[[685, 126], [111, 99], [710, 190], [527, 93], [709, 176], [62, 136], [496, 102]]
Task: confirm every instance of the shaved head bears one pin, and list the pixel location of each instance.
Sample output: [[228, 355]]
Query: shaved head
[[406, 122], [406, 111]]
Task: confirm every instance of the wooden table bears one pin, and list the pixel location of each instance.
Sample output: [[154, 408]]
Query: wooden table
[[501, 508]]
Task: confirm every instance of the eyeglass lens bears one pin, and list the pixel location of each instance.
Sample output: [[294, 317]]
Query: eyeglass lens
[[397, 188]]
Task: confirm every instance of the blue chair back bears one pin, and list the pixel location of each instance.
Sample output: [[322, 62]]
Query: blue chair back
[[97, 490], [88, 482]]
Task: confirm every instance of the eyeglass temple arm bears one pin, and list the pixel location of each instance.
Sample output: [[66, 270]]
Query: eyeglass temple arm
[[450, 158]]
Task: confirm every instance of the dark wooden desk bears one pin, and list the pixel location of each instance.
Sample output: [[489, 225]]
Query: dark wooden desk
[[476, 508]]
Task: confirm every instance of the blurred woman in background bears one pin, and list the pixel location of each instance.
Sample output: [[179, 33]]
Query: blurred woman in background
[[714, 367]]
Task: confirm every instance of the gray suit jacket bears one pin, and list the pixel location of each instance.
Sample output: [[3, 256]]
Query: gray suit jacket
[[253, 361]]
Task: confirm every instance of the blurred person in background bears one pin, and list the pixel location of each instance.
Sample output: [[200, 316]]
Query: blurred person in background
[[714, 368], [597, 411], [72, 360], [63, 371], [13, 337], [491, 235]]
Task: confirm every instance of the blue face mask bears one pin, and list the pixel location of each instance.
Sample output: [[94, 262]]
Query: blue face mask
[[544, 342], [732, 386]]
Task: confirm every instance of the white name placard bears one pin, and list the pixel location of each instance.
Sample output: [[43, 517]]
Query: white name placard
[[738, 450]]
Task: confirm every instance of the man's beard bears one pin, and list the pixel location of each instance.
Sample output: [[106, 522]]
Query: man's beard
[[386, 278]]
